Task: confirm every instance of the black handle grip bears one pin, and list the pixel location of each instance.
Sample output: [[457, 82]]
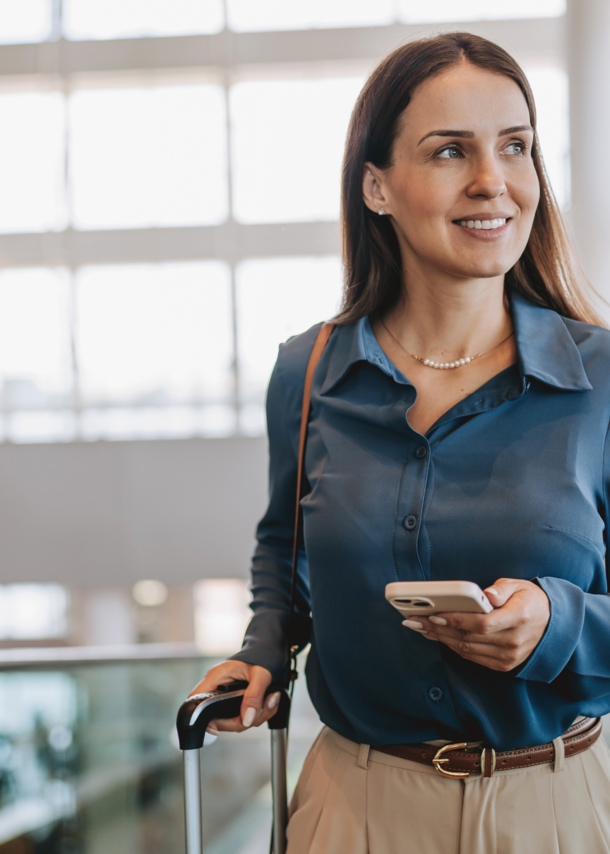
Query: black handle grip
[[195, 714], [280, 718]]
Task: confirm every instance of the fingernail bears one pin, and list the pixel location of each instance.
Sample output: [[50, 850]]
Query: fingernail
[[413, 624], [212, 730], [491, 590], [273, 700], [440, 621], [428, 637], [249, 717]]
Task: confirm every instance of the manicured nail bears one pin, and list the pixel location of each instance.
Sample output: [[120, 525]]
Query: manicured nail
[[427, 636], [212, 730], [273, 700], [413, 624], [440, 621], [491, 590], [249, 717]]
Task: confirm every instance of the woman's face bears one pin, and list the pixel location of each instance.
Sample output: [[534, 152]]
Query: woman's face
[[462, 190]]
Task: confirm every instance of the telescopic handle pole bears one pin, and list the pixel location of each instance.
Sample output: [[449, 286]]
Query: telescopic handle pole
[[192, 802], [278, 725], [280, 790], [193, 719]]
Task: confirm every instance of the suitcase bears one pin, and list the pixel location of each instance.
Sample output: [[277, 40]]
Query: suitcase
[[193, 719]]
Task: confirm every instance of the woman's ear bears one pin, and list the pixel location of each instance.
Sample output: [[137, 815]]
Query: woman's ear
[[372, 191]]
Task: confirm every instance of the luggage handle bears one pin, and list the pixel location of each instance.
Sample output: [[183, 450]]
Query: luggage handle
[[193, 719], [196, 713]]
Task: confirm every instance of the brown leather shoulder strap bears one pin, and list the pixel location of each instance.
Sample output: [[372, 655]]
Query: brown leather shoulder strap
[[314, 358]]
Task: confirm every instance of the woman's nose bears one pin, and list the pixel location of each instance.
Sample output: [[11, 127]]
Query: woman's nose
[[488, 180]]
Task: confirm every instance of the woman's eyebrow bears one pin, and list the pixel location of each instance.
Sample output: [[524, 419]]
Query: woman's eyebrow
[[468, 134], [462, 134], [515, 129]]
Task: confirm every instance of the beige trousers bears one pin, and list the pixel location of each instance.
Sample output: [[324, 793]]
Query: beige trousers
[[350, 800]]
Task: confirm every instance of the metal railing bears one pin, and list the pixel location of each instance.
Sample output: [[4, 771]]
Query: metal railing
[[43, 658]]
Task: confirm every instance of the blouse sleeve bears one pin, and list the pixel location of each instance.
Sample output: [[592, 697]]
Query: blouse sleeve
[[265, 640], [575, 648]]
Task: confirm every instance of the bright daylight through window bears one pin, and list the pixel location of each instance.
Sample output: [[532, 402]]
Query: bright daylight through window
[[276, 125], [23, 21], [33, 611], [277, 298], [116, 19], [185, 220], [154, 344], [148, 157]]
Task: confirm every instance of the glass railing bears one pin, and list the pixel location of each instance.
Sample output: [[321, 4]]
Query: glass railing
[[89, 761]]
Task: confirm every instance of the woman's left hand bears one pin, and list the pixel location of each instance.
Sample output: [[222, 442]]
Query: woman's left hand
[[500, 640]]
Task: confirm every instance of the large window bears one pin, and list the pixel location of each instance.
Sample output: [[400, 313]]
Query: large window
[[32, 20], [149, 156], [154, 350], [169, 197], [32, 151], [300, 14], [35, 360], [277, 298], [116, 19], [287, 145], [25, 21], [260, 15], [477, 10]]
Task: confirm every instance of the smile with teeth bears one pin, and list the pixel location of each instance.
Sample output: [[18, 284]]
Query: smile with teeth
[[485, 224]]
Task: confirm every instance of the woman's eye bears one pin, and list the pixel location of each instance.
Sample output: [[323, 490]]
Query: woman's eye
[[450, 152], [515, 148]]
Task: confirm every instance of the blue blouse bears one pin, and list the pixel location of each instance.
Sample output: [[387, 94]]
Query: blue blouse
[[512, 481]]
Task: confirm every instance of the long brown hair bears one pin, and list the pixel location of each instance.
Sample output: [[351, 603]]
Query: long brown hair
[[545, 273]]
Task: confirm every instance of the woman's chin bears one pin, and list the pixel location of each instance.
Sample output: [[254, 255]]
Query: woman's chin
[[479, 269], [482, 263]]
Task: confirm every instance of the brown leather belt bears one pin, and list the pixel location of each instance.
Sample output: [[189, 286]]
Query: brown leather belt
[[459, 760]]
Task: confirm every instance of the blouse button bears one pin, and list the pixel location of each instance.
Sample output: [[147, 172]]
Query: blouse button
[[435, 694], [409, 522], [421, 452]]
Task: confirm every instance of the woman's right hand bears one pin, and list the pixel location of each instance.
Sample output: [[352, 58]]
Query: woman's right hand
[[255, 709]]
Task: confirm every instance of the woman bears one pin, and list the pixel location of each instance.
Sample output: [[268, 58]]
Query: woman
[[458, 430]]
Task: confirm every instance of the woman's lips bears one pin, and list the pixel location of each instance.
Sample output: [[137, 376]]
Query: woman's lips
[[484, 229]]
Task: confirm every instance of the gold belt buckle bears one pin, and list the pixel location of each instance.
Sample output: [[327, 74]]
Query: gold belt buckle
[[437, 761]]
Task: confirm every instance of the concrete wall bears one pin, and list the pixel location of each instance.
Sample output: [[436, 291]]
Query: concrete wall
[[110, 513]]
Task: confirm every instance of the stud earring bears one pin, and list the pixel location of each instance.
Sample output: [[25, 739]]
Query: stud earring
[[381, 211]]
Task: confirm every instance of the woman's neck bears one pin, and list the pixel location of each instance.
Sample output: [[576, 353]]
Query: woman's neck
[[448, 319]]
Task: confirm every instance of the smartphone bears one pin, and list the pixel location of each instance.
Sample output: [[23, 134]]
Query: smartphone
[[434, 597]]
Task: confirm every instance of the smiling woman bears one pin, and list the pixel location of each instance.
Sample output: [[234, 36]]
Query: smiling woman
[[458, 432], [487, 85]]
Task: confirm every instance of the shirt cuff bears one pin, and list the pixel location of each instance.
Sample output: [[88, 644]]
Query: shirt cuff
[[265, 644], [562, 634]]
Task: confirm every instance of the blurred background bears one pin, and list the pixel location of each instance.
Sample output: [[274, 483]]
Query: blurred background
[[169, 199]]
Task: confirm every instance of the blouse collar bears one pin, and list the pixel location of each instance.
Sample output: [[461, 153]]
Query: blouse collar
[[546, 350]]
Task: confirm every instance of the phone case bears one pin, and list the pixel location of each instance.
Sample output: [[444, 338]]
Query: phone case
[[434, 597]]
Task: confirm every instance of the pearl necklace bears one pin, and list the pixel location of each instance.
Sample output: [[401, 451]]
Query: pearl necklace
[[440, 366]]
